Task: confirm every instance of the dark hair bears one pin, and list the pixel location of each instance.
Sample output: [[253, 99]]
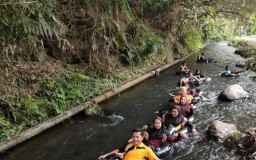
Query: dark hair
[[183, 62], [202, 54], [159, 118], [138, 130], [227, 67], [177, 107], [197, 70]]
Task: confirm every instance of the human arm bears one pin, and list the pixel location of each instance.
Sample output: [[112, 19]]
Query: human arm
[[163, 118], [186, 68], [145, 127], [164, 138], [183, 135], [197, 79], [184, 121], [146, 136], [116, 151]]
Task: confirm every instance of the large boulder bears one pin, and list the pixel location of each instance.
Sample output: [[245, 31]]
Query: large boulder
[[221, 130], [233, 92]]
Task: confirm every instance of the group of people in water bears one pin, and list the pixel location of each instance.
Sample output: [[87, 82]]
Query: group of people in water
[[179, 115]]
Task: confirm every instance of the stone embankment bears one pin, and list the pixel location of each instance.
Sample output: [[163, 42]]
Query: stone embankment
[[246, 47]]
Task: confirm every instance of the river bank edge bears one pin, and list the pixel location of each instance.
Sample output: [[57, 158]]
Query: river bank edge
[[51, 122], [246, 47]]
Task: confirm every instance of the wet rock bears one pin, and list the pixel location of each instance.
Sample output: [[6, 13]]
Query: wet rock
[[247, 143], [241, 65], [221, 130], [93, 110], [231, 140], [233, 92]]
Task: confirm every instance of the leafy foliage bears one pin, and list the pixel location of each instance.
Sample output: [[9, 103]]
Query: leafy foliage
[[23, 26], [192, 37]]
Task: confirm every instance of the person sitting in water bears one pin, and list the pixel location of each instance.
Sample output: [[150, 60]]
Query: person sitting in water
[[201, 59], [184, 81], [198, 74], [183, 90], [187, 111], [134, 150], [184, 67], [174, 121], [157, 135], [194, 91]]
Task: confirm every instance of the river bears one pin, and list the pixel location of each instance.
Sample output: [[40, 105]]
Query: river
[[87, 137]]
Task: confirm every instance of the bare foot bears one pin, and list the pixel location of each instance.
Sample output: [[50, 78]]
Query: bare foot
[[183, 135], [194, 131]]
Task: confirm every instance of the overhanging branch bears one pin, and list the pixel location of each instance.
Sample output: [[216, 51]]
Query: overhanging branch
[[205, 9]]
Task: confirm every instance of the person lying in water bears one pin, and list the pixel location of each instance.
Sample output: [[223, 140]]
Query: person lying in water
[[157, 135], [228, 71], [134, 150], [201, 59]]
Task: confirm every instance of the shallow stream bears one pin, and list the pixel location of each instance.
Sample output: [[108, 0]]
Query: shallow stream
[[87, 137]]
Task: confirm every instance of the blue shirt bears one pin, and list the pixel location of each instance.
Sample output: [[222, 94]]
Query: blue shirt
[[227, 72]]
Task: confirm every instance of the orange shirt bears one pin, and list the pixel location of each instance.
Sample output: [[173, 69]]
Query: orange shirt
[[177, 98]]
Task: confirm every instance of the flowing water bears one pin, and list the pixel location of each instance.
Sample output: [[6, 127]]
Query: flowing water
[[87, 137]]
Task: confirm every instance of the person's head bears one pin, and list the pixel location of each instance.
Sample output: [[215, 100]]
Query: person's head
[[202, 54], [191, 80], [175, 111], [184, 63], [158, 122], [183, 90], [198, 71], [190, 73], [183, 100], [227, 67], [137, 136]]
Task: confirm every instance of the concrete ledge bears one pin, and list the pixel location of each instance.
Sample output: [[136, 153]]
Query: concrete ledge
[[33, 131]]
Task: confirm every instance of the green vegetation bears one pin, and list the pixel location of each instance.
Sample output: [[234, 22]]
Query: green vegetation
[[57, 54], [53, 97], [246, 49]]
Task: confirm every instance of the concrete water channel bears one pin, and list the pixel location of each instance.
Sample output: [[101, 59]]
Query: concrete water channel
[[87, 137]]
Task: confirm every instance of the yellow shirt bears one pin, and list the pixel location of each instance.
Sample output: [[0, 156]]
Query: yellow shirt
[[138, 152]]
